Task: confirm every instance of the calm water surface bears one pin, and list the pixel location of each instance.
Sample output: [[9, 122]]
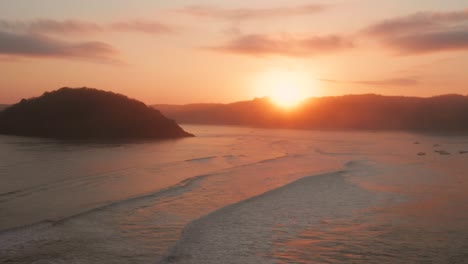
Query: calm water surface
[[236, 195]]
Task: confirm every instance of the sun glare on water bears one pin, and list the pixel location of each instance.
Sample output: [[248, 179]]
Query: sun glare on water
[[286, 89]]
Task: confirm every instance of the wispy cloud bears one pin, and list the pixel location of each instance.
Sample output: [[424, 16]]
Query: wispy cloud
[[45, 38], [61, 27], [34, 45], [141, 26], [49, 26], [251, 13], [394, 82], [284, 45], [423, 32], [390, 82]]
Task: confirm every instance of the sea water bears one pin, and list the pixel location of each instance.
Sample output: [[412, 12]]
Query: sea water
[[236, 195]]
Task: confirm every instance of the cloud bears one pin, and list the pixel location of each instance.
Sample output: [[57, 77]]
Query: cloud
[[406, 81], [284, 45], [423, 32], [64, 27], [49, 26], [147, 27], [417, 21], [250, 13], [35, 45], [390, 82], [44, 38]]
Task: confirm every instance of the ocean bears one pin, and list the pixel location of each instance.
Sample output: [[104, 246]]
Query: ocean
[[236, 195]]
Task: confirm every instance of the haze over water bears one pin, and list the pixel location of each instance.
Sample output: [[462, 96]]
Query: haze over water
[[236, 195]]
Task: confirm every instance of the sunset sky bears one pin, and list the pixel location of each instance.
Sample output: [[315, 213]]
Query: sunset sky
[[186, 51]]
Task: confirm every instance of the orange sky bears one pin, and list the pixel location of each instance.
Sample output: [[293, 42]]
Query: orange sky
[[188, 51]]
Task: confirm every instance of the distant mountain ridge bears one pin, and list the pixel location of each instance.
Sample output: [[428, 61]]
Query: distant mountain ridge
[[445, 113], [86, 113], [3, 106]]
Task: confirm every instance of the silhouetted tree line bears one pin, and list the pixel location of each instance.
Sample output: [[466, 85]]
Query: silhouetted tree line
[[446, 113], [86, 113]]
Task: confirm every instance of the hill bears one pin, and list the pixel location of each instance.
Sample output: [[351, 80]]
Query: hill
[[86, 113], [446, 113], [3, 106]]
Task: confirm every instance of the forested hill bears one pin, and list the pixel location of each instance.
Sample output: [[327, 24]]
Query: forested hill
[[86, 113], [350, 112]]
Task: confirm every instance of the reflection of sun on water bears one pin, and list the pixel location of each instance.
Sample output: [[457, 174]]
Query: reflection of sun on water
[[286, 89]]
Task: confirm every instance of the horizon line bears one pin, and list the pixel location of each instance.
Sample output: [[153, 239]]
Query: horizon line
[[254, 98]]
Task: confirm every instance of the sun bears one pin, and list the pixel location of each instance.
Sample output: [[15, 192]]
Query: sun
[[286, 96], [285, 88]]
